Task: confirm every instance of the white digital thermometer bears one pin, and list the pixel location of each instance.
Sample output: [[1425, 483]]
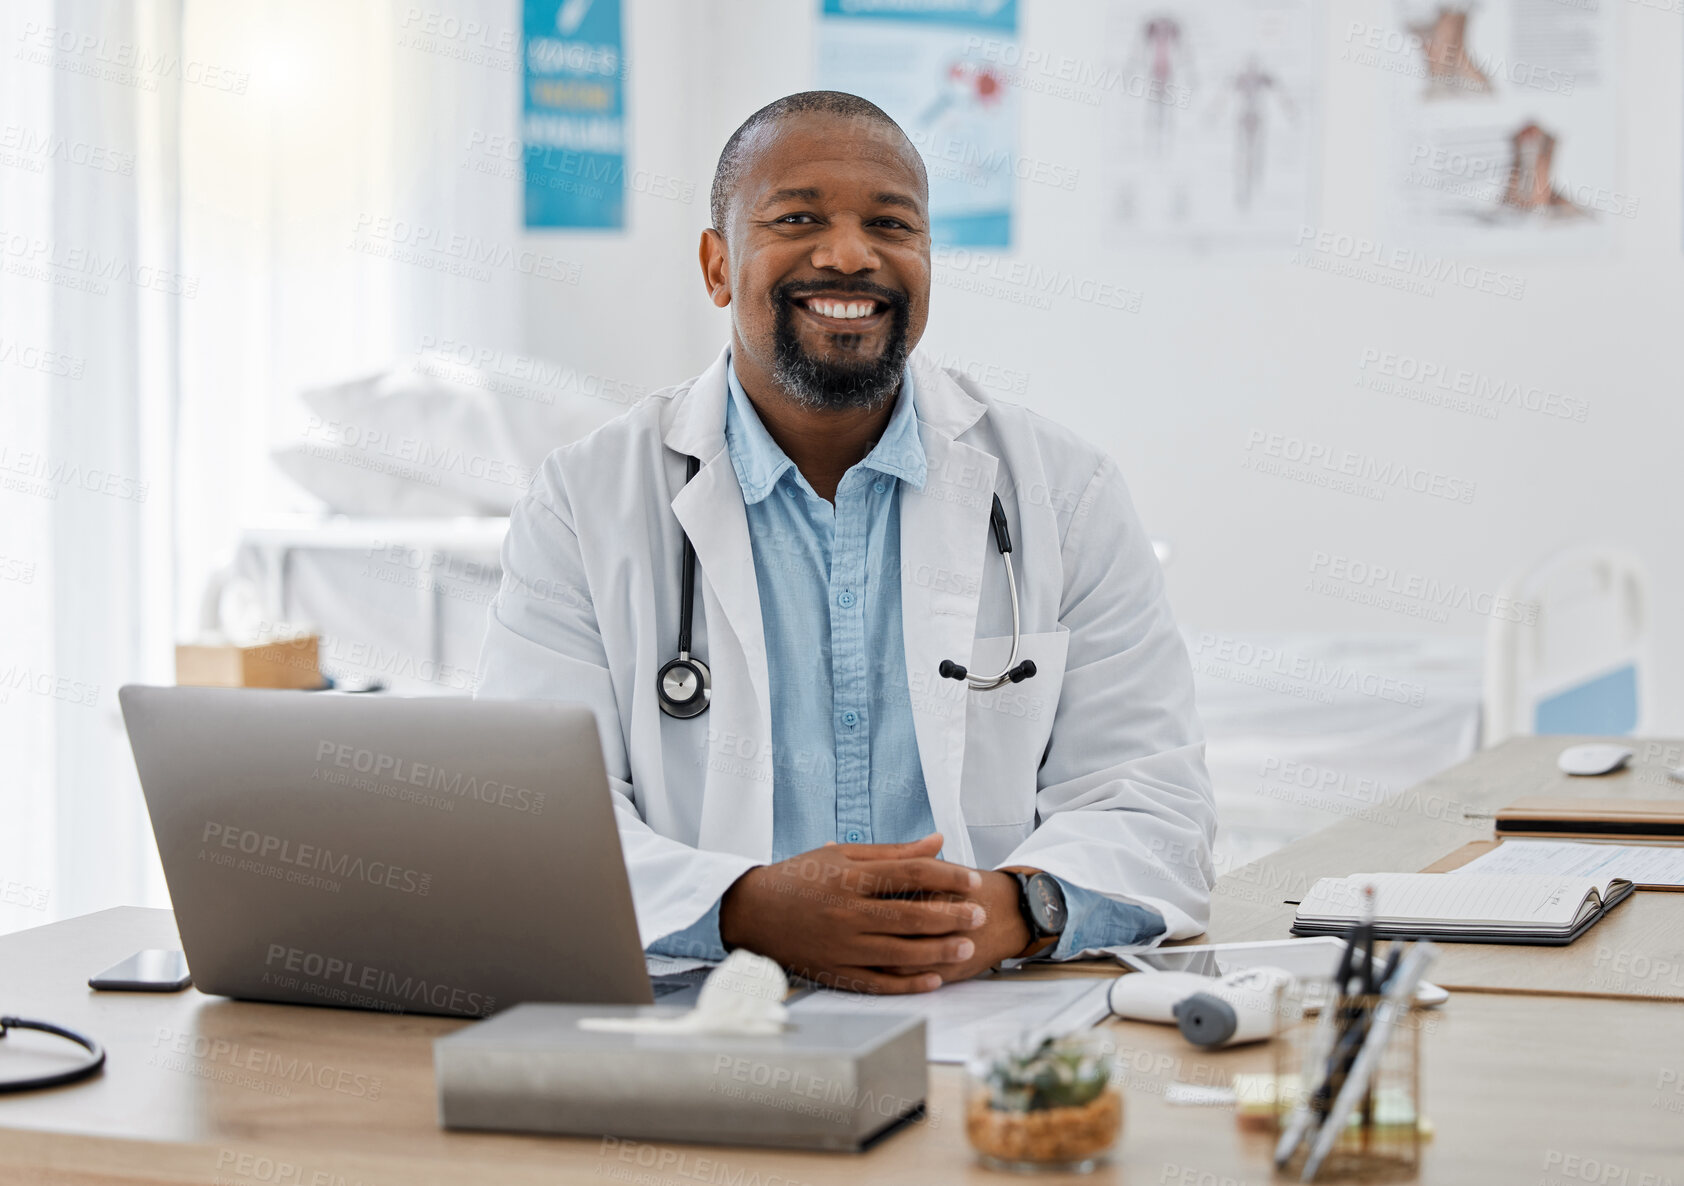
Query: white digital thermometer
[[1210, 1011]]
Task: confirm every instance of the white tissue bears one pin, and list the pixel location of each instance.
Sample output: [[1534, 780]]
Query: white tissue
[[743, 995]]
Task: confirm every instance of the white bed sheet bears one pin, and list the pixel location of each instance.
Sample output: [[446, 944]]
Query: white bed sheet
[[1304, 729]]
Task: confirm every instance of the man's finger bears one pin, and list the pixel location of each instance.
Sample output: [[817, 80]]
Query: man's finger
[[888, 951], [917, 875], [876, 981], [927, 846], [949, 973], [907, 916]]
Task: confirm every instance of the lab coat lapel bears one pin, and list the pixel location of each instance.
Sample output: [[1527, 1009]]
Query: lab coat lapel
[[944, 537], [737, 805]]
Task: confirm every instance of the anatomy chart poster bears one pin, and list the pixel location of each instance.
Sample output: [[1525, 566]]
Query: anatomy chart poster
[[1503, 124], [940, 69], [1212, 117]]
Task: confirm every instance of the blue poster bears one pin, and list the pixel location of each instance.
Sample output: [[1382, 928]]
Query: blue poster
[[942, 70], [573, 124]]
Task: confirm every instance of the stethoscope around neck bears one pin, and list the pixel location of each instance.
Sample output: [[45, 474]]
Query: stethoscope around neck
[[684, 686]]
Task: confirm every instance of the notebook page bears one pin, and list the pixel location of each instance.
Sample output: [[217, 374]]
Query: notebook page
[[1647, 864], [1469, 900]]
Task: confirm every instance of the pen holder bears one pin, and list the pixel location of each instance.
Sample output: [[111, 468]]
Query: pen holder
[[1381, 1142]]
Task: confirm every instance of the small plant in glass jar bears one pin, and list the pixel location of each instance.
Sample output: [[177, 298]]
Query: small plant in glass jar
[[1043, 1103]]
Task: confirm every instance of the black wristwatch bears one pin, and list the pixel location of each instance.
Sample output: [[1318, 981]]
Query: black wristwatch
[[1041, 900]]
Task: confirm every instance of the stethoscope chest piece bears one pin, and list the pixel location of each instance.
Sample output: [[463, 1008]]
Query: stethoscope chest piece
[[684, 687]]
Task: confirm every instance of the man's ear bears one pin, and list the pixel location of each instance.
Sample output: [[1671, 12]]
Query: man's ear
[[716, 267]]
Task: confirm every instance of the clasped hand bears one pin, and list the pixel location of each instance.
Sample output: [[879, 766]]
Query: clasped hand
[[877, 918]]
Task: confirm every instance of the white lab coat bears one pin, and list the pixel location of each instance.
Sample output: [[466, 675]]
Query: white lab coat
[[1092, 770]]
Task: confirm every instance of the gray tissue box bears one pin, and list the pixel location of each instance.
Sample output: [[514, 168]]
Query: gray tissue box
[[833, 1082]]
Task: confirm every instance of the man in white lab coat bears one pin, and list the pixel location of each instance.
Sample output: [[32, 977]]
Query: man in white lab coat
[[828, 787]]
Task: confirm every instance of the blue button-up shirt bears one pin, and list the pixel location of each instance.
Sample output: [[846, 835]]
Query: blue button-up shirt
[[844, 754]]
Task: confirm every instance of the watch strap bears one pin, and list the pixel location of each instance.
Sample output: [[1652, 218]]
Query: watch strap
[[1044, 943]]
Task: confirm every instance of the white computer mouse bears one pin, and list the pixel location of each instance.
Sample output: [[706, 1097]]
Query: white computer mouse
[[1593, 759]]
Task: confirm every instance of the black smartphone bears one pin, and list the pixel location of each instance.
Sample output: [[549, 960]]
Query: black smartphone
[[154, 970]]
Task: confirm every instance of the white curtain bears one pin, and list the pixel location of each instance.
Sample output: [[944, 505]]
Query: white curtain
[[314, 207], [199, 213], [89, 299]]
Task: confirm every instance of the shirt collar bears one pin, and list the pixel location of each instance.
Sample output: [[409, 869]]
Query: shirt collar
[[760, 463]]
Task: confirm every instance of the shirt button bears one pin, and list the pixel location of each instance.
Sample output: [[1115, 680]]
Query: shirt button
[[880, 487], [850, 718], [854, 836], [845, 599]]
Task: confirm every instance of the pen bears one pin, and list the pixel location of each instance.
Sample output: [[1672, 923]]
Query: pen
[[1298, 1125], [1386, 975], [1343, 973], [1391, 965], [1365, 932], [1341, 1058]]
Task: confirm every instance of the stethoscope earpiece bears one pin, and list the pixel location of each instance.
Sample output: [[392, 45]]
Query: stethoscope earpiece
[[1013, 672]]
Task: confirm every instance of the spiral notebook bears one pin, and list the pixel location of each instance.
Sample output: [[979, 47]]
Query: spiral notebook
[[1466, 908]]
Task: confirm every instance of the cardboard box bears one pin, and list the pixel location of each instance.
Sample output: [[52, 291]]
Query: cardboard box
[[277, 663]]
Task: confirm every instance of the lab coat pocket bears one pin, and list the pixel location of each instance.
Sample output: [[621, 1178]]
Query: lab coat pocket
[[1006, 729]]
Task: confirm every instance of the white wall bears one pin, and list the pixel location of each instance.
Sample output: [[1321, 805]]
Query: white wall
[[1223, 346]]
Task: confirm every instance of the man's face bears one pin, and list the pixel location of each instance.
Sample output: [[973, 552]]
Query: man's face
[[829, 259]]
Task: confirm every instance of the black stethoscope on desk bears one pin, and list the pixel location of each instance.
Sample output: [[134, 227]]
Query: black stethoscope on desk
[[684, 686], [90, 1064]]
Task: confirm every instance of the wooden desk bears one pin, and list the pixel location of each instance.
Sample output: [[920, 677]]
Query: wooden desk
[[1637, 951], [209, 1091], [1523, 1089]]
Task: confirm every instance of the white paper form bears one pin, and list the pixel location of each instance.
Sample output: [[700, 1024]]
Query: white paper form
[[956, 1014], [1641, 864]]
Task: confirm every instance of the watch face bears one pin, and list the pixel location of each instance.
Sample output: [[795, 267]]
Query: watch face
[[1046, 903]]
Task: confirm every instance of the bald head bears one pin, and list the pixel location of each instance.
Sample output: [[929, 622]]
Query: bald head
[[739, 149]]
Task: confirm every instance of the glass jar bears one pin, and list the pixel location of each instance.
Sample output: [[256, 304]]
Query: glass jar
[[1038, 1103], [1381, 1138]]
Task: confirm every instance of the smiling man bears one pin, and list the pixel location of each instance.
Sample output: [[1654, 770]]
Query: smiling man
[[886, 681]]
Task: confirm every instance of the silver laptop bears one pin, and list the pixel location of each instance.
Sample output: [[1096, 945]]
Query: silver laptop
[[442, 856]]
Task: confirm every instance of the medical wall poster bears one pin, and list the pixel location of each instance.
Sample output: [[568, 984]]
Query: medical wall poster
[[1212, 118], [939, 68], [573, 114], [1503, 123]]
